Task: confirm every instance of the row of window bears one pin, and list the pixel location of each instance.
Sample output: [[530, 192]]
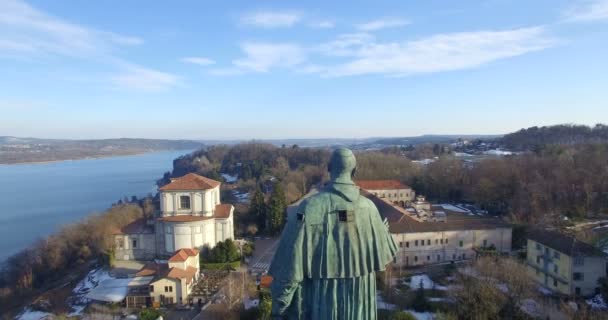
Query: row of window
[[167, 288], [556, 254], [119, 244], [390, 195], [422, 242], [428, 258]]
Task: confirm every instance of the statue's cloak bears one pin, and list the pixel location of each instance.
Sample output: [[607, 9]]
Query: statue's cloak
[[330, 249]]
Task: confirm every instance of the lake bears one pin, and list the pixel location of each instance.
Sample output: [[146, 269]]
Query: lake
[[37, 199]]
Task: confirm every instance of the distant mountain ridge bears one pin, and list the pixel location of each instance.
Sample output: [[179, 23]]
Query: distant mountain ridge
[[563, 134], [24, 150]]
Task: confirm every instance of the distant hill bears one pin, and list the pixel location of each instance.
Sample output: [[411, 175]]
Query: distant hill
[[565, 134], [22, 150]]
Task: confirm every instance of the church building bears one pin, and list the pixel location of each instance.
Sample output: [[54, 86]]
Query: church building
[[191, 216]]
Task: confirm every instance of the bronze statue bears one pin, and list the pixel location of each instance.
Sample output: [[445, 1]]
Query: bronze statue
[[326, 262]]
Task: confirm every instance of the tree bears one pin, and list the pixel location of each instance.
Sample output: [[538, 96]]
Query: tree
[[276, 208], [149, 314], [420, 303], [258, 208], [402, 315], [265, 305]]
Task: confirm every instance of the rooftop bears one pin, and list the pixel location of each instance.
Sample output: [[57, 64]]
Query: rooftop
[[380, 184], [400, 221], [183, 254], [136, 227], [564, 243], [190, 181], [222, 211]]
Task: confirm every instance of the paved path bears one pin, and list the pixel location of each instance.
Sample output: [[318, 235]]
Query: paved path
[[263, 254]]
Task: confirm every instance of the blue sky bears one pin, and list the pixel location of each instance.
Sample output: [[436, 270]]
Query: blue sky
[[282, 69]]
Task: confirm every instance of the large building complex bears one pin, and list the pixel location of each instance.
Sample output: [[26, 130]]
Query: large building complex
[[564, 264], [427, 234], [393, 191], [191, 216]]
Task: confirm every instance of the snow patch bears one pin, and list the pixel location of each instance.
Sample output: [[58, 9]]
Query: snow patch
[[422, 279], [29, 314], [498, 152], [381, 304], [597, 302], [451, 207], [78, 301], [241, 196], [421, 315], [230, 178]]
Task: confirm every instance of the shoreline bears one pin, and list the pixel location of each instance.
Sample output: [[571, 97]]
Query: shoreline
[[89, 157]]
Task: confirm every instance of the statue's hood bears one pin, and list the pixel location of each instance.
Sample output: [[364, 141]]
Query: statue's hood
[[348, 191]]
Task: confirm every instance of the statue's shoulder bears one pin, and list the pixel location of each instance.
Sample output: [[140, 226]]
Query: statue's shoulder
[[316, 203]]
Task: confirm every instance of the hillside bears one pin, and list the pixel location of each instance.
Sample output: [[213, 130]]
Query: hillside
[[25, 150], [566, 134]]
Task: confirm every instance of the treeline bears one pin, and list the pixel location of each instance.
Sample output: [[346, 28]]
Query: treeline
[[536, 137], [66, 253]]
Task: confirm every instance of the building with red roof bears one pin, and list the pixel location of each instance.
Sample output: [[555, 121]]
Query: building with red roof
[[392, 191]]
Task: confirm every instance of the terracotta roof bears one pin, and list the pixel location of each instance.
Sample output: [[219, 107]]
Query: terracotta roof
[[380, 184], [183, 254], [135, 227], [564, 243], [265, 281], [151, 269], [222, 211], [177, 273], [400, 222], [191, 181]]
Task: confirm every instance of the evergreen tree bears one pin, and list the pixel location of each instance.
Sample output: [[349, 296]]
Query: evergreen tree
[[276, 208], [258, 208]]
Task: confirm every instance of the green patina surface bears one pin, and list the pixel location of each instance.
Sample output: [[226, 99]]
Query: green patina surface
[[330, 249]]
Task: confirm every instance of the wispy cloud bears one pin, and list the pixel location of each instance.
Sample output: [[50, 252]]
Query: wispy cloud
[[587, 11], [29, 31], [201, 61], [144, 79], [442, 52], [271, 19], [382, 24], [261, 57], [322, 24]]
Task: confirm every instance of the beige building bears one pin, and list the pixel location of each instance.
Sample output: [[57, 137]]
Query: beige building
[[432, 234], [191, 216], [392, 191], [563, 264], [173, 282]]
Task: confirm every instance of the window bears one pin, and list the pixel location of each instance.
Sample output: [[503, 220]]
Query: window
[[464, 256], [416, 243], [184, 202], [578, 276], [539, 247], [134, 243], [547, 251], [436, 241], [407, 244], [446, 241], [556, 255], [441, 241], [151, 288], [577, 291], [407, 260], [554, 282], [428, 242], [428, 258], [538, 259], [555, 268], [170, 288], [119, 243], [460, 243], [415, 258], [579, 261], [438, 257], [166, 289], [454, 256], [400, 244]]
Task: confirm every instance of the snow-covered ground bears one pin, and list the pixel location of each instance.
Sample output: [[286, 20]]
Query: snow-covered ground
[[78, 300], [230, 178], [454, 208], [240, 196], [426, 282], [462, 154], [499, 152], [381, 304], [28, 314], [424, 161]]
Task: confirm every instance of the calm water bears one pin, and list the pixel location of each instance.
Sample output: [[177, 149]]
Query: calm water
[[36, 199]]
